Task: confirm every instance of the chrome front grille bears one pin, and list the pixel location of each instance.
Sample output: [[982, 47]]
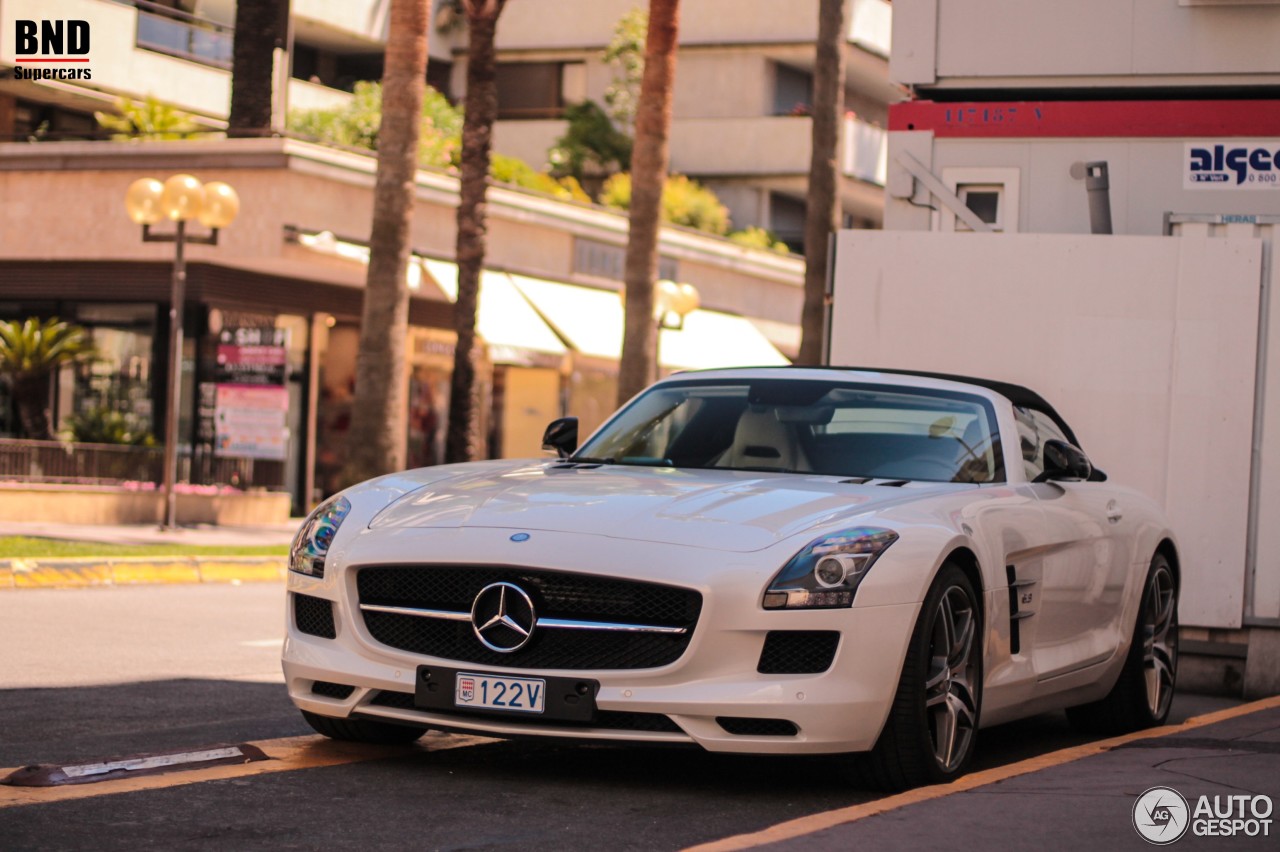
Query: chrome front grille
[[583, 622]]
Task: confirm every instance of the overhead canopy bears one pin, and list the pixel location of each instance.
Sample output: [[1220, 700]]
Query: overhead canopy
[[592, 321], [504, 318]]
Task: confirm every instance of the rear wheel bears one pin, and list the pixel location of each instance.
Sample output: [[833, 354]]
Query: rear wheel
[[1144, 692], [932, 727], [362, 730]]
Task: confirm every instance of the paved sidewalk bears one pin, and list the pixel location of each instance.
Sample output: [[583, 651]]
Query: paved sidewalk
[[1080, 798], [200, 534], [124, 570]]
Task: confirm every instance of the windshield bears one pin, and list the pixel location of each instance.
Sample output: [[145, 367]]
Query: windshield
[[803, 426]]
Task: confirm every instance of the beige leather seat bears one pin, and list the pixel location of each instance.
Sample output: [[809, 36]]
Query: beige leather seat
[[762, 441]]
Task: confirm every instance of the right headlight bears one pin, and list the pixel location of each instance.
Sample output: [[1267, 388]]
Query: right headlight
[[311, 544], [827, 572]]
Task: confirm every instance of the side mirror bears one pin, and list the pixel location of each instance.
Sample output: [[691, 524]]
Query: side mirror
[[561, 436], [1064, 461]]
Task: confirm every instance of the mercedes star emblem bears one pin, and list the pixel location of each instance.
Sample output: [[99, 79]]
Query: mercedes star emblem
[[503, 618]]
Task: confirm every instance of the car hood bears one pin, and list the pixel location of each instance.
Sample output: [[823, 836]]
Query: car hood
[[732, 511]]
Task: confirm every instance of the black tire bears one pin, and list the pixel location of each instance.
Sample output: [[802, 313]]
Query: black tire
[[362, 730], [935, 693], [1144, 691]]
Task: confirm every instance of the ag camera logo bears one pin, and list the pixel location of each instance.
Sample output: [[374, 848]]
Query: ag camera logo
[[1161, 815]]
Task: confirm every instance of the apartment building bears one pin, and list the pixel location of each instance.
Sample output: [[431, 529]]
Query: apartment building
[[1084, 198], [549, 309], [744, 79], [743, 85]]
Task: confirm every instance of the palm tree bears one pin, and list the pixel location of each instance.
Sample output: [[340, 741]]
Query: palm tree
[[648, 174], [259, 31], [376, 442], [462, 441], [30, 353], [823, 216]]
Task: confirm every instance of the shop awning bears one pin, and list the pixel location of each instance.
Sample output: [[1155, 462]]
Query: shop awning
[[509, 325], [592, 321]]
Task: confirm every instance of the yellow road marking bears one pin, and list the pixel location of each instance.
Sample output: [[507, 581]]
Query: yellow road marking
[[829, 819], [288, 754]]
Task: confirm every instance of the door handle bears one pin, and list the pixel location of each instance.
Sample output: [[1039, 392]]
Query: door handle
[[1114, 514]]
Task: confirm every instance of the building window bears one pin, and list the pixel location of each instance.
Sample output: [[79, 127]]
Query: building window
[[594, 259], [991, 193], [335, 70], [786, 220], [983, 200], [792, 90], [538, 89]]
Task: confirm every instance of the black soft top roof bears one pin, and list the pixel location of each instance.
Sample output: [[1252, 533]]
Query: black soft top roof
[[1017, 394]]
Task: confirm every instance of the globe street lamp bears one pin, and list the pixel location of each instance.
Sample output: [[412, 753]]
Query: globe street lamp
[[179, 199]]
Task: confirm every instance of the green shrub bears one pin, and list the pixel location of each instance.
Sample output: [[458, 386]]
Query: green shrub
[[754, 236], [516, 171], [684, 202], [590, 141], [150, 119], [355, 125], [104, 426]]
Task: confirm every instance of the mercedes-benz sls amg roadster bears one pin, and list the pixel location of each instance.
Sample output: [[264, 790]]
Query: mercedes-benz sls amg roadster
[[787, 560]]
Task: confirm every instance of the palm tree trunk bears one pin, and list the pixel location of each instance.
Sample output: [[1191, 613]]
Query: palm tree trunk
[[258, 24], [823, 216], [376, 443], [31, 397], [649, 160], [462, 441]]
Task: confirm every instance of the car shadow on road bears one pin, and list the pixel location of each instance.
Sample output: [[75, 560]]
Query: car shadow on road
[[42, 725]]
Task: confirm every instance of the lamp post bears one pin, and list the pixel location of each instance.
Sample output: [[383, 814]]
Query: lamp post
[[672, 302], [179, 199]]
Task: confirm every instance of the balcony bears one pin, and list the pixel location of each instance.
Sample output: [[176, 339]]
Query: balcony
[[756, 146], [572, 24], [769, 146], [177, 33]]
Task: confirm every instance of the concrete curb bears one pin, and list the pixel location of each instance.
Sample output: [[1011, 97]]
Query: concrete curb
[[139, 570]]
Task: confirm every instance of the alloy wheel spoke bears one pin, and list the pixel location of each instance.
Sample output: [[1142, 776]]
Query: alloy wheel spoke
[[946, 724], [938, 679], [964, 644]]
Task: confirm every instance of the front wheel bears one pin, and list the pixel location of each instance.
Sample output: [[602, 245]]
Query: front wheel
[[932, 727], [1144, 692]]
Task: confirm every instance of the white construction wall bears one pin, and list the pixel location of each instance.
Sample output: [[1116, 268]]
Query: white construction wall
[[1146, 345]]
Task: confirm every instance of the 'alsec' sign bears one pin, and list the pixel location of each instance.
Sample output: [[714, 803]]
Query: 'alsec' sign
[[37, 45], [1233, 164]]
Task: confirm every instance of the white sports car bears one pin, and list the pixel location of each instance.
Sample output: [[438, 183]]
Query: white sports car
[[782, 560]]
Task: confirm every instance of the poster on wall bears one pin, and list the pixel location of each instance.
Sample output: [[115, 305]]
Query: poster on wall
[[252, 356], [251, 421], [251, 400]]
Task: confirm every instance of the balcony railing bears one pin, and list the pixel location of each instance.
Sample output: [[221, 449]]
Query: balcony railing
[[113, 464], [180, 34]]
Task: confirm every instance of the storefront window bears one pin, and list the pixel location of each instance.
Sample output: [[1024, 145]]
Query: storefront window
[[109, 399]]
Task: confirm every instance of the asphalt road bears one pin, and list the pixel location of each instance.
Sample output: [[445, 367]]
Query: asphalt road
[[93, 674]]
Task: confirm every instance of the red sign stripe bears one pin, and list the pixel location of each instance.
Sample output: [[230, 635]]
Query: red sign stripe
[[1014, 119], [51, 60]]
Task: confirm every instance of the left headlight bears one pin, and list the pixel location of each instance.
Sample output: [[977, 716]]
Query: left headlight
[[827, 572], [311, 544]]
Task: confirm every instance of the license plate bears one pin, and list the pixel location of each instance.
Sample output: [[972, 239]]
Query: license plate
[[488, 692]]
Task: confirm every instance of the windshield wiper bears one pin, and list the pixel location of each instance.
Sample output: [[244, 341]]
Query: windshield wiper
[[588, 460]]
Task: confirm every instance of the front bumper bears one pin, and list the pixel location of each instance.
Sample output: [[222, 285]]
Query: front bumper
[[840, 710]]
